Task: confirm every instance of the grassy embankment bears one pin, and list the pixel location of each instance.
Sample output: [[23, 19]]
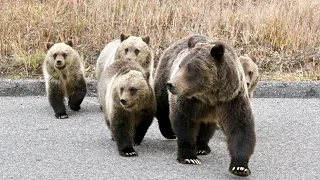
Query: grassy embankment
[[284, 36]]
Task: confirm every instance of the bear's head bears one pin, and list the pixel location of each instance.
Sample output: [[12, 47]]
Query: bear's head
[[133, 89], [210, 70], [60, 53], [135, 49], [250, 70]]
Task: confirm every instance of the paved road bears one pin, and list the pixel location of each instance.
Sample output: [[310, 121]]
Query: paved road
[[36, 145]]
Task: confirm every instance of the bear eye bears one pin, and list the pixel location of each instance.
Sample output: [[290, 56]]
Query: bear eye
[[250, 73], [64, 55], [189, 69], [136, 52], [121, 90], [126, 50], [54, 55], [133, 90]]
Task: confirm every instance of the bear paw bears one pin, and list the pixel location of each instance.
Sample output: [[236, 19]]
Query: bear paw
[[74, 108], [240, 171], [62, 116], [194, 161], [129, 152], [203, 150]]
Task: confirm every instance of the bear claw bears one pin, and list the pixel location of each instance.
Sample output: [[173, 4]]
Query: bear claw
[[202, 152], [190, 161], [62, 116], [240, 171], [128, 153]]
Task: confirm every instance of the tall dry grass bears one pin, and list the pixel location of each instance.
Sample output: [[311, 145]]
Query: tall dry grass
[[284, 35]]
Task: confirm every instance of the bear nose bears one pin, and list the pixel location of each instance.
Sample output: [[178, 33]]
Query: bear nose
[[59, 62], [123, 102], [170, 86], [248, 84]]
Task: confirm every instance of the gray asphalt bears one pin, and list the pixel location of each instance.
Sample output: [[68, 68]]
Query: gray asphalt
[[264, 89], [36, 145]]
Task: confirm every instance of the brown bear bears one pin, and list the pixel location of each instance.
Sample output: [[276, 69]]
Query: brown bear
[[207, 85], [63, 72], [251, 72], [128, 103], [131, 48]]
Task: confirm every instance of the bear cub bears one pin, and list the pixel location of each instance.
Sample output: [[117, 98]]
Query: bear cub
[[251, 72], [63, 71], [131, 48], [128, 103]]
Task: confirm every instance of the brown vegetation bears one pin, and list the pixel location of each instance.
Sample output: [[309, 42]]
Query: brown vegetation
[[284, 36]]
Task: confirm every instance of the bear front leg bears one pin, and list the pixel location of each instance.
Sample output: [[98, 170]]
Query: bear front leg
[[143, 126], [122, 134], [56, 98], [205, 134], [77, 93], [186, 132], [239, 129]]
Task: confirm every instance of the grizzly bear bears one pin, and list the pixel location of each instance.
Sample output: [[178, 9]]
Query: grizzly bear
[[251, 72], [63, 72], [130, 48], [128, 103], [207, 85]]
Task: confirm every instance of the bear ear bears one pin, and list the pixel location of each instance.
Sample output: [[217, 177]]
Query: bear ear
[[191, 43], [217, 51], [123, 37], [253, 59], [49, 45], [147, 75], [146, 39], [69, 42]]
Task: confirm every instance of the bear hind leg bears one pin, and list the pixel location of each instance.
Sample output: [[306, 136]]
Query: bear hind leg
[[205, 134], [165, 127], [77, 96]]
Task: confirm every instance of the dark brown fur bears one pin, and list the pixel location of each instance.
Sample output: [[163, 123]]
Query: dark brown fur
[[207, 88]]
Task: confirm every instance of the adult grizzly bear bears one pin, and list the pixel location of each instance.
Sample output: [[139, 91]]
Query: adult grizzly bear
[[207, 85], [64, 75], [130, 48], [251, 72], [128, 103]]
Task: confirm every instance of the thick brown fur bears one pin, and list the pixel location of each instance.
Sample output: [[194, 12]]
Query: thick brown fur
[[251, 72], [207, 86], [128, 103], [64, 75]]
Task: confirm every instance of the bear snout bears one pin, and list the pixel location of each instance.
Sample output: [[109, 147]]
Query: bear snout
[[59, 64], [171, 87], [123, 102]]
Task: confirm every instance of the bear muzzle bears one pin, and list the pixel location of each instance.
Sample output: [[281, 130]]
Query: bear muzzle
[[59, 64], [123, 102], [171, 87]]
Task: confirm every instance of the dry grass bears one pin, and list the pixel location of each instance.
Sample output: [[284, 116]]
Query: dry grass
[[283, 35]]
